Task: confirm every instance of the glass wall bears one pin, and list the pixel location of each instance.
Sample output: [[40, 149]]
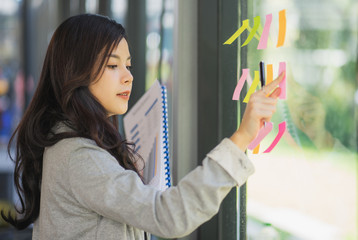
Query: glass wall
[[306, 187], [159, 41], [26, 27], [119, 10], [12, 91], [11, 75]]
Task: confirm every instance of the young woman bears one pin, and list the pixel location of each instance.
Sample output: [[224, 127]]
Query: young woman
[[77, 177]]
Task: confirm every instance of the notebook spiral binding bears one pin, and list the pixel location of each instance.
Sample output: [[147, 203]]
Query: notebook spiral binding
[[166, 136]]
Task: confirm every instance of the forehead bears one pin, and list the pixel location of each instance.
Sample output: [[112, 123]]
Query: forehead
[[122, 50]]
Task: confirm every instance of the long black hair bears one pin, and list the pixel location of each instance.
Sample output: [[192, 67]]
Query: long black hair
[[75, 57]]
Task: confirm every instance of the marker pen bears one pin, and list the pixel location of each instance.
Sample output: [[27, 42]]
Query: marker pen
[[262, 73], [262, 78]]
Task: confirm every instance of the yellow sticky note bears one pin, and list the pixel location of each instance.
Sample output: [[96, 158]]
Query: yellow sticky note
[[244, 26], [252, 87]]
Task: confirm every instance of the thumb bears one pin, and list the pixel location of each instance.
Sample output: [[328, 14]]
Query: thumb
[[275, 93]]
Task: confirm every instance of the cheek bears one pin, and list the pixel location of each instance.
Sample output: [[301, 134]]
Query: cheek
[[101, 92], [105, 85]]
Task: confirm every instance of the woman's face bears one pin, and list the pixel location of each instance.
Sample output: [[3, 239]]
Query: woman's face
[[113, 88]]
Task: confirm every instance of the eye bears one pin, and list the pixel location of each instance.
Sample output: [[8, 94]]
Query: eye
[[112, 66], [129, 68]]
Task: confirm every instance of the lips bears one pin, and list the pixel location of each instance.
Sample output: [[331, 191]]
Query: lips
[[124, 94]]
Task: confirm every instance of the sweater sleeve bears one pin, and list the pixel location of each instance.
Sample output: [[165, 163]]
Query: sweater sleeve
[[99, 183]]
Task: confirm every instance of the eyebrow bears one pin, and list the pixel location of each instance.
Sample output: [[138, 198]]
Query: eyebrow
[[116, 56]]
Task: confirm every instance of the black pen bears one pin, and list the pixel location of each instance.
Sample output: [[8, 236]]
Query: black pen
[[262, 73], [262, 77]]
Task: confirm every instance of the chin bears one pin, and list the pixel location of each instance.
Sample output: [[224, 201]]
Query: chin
[[122, 111], [119, 112]]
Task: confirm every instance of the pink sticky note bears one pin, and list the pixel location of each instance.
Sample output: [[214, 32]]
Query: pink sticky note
[[261, 135], [240, 84], [283, 83], [281, 130], [265, 33]]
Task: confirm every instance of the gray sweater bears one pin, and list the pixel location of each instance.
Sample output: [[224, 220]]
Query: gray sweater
[[86, 194]]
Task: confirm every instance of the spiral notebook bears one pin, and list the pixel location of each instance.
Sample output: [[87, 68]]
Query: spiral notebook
[[146, 125]]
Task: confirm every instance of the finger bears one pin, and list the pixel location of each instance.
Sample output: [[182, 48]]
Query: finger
[[267, 119], [259, 98], [266, 116], [264, 106], [263, 113], [271, 86], [276, 93]]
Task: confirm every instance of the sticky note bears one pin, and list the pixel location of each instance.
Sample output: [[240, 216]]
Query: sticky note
[[240, 84], [269, 73], [261, 135], [265, 33], [256, 149], [283, 84], [252, 87], [253, 32], [244, 26], [281, 130], [258, 32], [282, 28]]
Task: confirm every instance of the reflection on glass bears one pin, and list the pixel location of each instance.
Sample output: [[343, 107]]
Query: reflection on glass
[[306, 188], [119, 10], [11, 79], [159, 48], [91, 6]]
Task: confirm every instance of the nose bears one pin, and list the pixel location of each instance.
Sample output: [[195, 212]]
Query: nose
[[127, 77]]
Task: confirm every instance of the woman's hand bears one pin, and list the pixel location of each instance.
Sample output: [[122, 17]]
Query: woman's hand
[[260, 108]]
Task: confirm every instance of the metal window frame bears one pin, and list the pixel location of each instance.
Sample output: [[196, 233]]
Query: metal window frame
[[136, 20], [242, 226], [217, 113]]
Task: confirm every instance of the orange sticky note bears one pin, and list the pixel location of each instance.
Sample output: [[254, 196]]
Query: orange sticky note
[[269, 76], [282, 28], [256, 150]]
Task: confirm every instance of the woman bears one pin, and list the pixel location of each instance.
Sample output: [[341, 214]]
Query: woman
[[77, 177]]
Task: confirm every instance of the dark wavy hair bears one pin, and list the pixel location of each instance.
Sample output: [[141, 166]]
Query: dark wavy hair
[[76, 56]]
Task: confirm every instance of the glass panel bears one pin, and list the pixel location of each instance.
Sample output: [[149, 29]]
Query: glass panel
[[119, 10], [159, 47], [91, 6], [154, 54], [306, 187], [12, 97], [11, 77]]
